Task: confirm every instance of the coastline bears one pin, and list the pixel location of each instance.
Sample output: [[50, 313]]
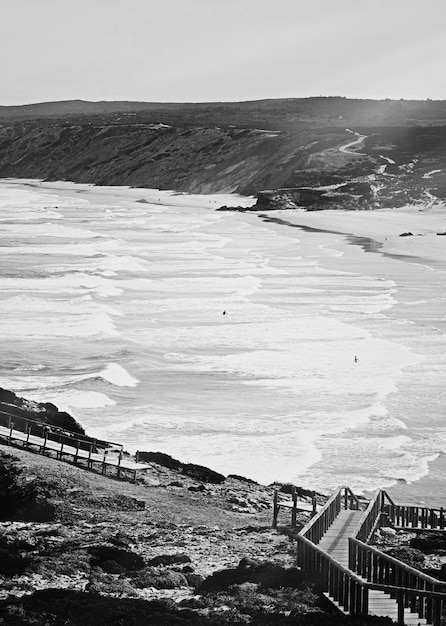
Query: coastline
[[356, 227], [410, 234]]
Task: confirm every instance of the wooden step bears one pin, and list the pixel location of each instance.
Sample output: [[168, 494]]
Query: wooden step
[[382, 605]]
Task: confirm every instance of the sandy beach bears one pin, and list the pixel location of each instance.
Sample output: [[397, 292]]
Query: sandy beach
[[389, 228], [412, 235]]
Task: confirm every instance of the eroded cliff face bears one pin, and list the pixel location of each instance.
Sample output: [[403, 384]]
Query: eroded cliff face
[[199, 160], [301, 161]]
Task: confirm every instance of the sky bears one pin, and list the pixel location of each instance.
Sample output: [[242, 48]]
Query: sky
[[221, 50]]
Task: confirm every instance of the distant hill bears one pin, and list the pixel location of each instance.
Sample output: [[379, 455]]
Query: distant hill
[[276, 112], [375, 153]]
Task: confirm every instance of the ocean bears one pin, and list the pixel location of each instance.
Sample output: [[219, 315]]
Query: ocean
[[223, 338]]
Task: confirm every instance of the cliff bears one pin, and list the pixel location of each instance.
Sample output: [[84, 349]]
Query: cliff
[[314, 153]]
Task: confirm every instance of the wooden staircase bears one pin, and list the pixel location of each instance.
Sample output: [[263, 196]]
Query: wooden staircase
[[359, 578]]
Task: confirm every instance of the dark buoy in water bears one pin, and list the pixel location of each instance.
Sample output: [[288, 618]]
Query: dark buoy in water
[[224, 312]]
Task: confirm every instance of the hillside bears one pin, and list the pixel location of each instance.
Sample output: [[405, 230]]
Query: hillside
[[369, 153]]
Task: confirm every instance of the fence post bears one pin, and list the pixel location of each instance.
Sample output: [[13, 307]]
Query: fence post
[[275, 507]]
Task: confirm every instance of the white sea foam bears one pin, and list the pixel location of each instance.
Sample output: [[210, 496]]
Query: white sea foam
[[271, 389], [77, 399], [117, 375]]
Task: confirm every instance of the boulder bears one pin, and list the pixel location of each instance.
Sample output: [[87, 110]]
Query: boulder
[[263, 573], [108, 557]]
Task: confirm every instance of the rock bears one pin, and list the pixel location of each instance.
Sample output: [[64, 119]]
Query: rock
[[12, 563], [264, 573], [175, 483], [165, 460], [242, 479], [106, 584], [46, 413], [197, 472], [193, 580], [411, 556], [408, 234], [429, 542], [169, 559], [159, 578], [197, 488], [203, 474], [121, 539], [187, 569], [102, 555], [112, 567], [387, 531]]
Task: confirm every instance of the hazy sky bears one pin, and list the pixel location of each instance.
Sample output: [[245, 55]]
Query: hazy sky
[[216, 50]]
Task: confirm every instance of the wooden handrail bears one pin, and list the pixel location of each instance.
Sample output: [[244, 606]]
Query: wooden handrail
[[386, 557], [370, 519], [69, 434], [320, 522], [369, 568]]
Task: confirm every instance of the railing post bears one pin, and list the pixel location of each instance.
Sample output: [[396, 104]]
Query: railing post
[[119, 463], [77, 452], [45, 438], [11, 428], [400, 601], [275, 507], [294, 509], [314, 503]]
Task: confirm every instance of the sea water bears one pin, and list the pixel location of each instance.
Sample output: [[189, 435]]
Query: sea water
[[220, 337]]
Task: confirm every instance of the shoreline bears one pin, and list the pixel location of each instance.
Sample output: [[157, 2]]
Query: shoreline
[[351, 225], [425, 246]]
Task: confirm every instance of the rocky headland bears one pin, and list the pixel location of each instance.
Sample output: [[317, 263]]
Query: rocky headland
[[312, 153]]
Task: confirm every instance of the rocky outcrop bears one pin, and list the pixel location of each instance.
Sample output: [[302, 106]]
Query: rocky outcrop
[[266, 574], [43, 412], [197, 472]]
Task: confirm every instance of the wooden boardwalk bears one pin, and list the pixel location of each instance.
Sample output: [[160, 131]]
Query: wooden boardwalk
[[336, 543], [358, 577], [66, 445]]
